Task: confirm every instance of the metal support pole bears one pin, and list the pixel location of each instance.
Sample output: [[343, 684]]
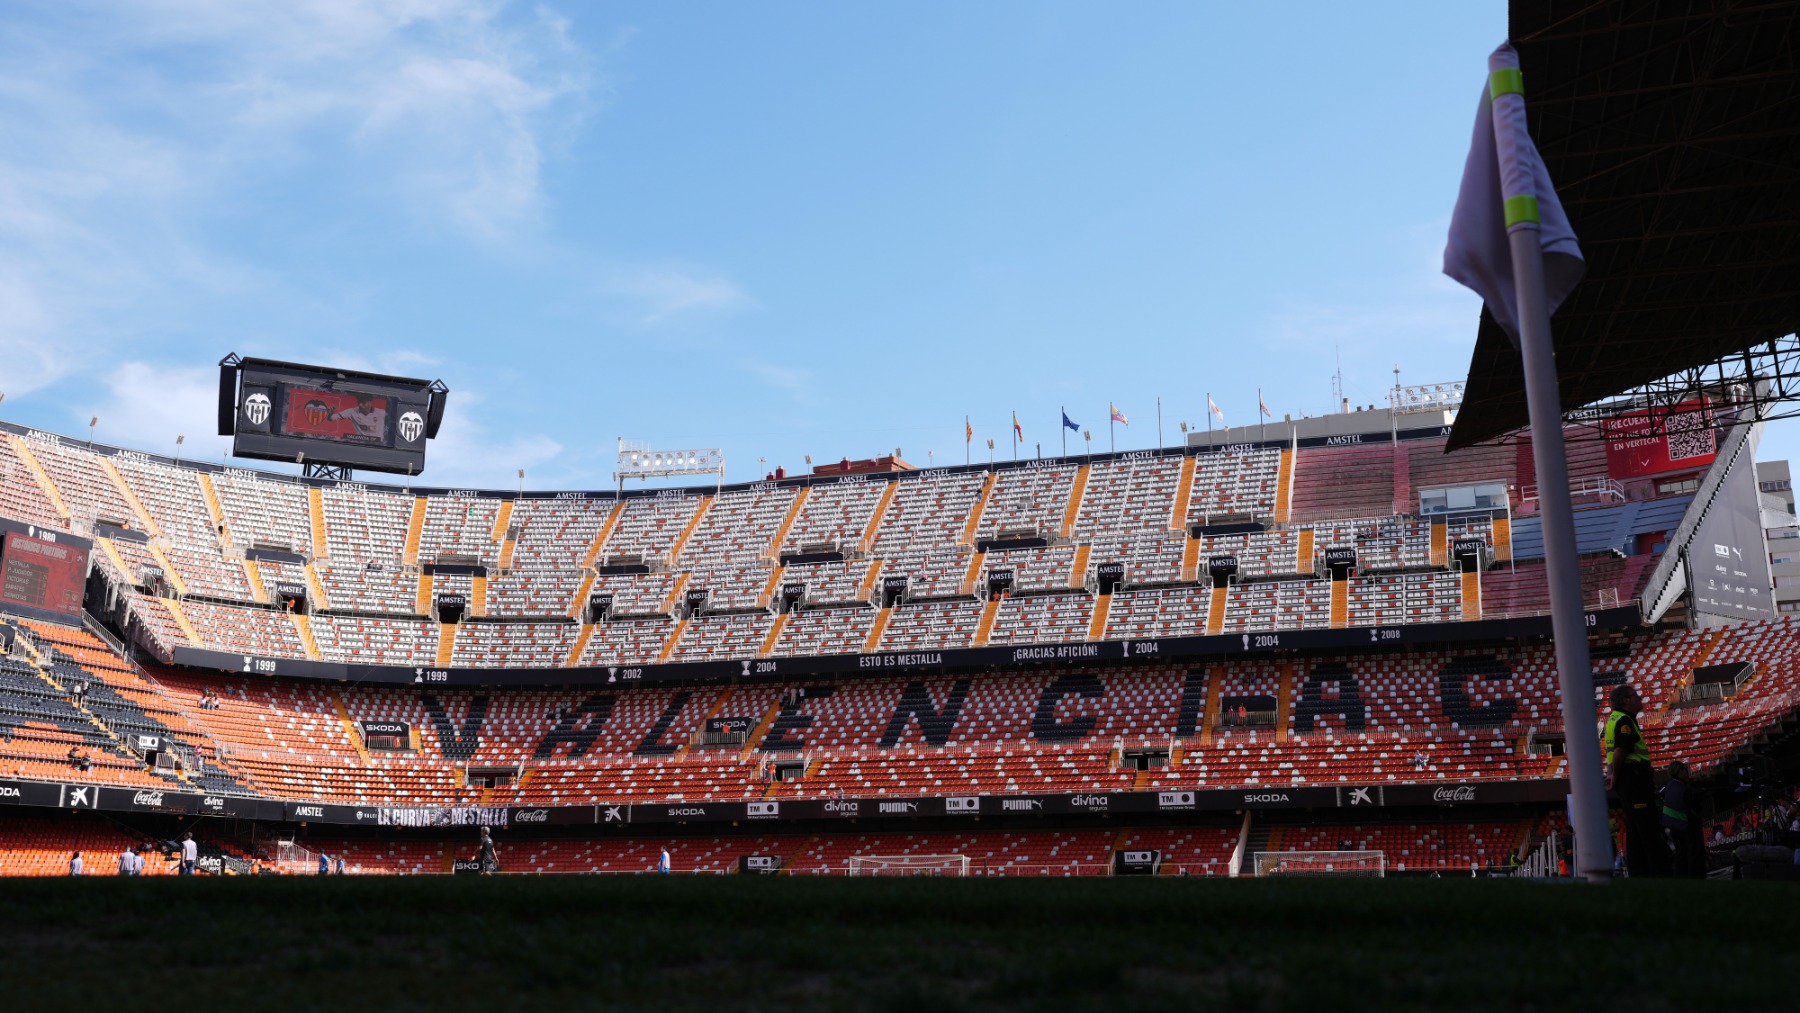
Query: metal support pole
[[1568, 620]]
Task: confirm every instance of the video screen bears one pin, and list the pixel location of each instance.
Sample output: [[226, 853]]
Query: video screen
[[339, 416], [42, 574]]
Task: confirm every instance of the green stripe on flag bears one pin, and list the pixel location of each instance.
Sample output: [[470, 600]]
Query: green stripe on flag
[[1505, 81], [1521, 209]]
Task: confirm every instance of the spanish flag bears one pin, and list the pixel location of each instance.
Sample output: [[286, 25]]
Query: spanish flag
[[1018, 433]]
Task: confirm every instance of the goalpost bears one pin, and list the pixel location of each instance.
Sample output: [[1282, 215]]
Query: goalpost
[[909, 865], [1321, 863]]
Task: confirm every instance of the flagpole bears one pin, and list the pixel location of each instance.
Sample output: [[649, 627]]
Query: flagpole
[[1111, 447], [1568, 621], [968, 438], [1209, 420], [1262, 417], [1159, 444], [1015, 433], [1063, 428]]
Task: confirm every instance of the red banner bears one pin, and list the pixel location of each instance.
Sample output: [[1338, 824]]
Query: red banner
[[334, 415], [1656, 441]]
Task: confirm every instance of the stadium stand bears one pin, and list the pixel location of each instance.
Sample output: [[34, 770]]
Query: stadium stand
[[369, 559]]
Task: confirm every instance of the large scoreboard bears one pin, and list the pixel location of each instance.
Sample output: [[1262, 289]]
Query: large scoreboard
[[44, 570], [285, 411]]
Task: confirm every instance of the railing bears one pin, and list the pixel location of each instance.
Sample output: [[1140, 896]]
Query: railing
[[1544, 862], [1599, 488]]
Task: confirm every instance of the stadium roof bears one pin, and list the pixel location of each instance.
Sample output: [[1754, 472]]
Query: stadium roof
[[1672, 131]]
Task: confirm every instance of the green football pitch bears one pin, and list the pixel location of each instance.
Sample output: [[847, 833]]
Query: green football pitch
[[927, 945]]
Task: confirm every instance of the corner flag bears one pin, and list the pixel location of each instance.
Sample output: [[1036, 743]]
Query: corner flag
[[1505, 187]]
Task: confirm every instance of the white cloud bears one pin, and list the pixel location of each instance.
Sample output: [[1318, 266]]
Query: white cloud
[[129, 130], [148, 405], [658, 294]]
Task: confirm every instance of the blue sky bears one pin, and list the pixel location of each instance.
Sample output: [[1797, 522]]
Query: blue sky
[[781, 229]]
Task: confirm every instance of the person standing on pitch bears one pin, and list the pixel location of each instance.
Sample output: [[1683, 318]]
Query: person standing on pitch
[[190, 854], [128, 862], [1684, 829], [1630, 776], [75, 864], [662, 861], [489, 863]]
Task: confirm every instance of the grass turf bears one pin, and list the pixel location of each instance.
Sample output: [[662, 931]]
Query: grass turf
[[932, 945]]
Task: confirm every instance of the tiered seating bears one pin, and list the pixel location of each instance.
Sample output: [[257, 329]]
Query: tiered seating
[[626, 642], [932, 624], [1151, 557], [1381, 543], [1405, 598], [43, 845], [376, 641], [1436, 847], [935, 573], [1028, 501], [260, 511], [87, 491], [729, 636], [825, 631], [1186, 851], [834, 515], [1046, 569], [364, 526], [460, 526], [21, 498], [731, 586], [830, 583], [245, 630], [353, 587], [740, 526], [1233, 483], [1168, 612], [1287, 605], [649, 527], [929, 511], [1134, 495], [1041, 619], [1350, 481], [532, 593], [555, 534], [1065, 853], [638, 594], [175, 501], [124, 701], [512, 645], [1263, 554]]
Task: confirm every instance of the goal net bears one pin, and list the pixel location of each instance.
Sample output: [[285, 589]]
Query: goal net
[[1321, 863], [909, 865]]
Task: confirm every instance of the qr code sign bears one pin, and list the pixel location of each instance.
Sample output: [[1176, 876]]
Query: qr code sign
[[1689, 436]]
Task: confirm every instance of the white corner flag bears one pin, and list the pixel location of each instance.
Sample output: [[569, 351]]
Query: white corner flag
[[1505, 186]]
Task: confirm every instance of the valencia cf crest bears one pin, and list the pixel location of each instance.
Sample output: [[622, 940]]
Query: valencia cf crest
[[256, 408], [411, 426]]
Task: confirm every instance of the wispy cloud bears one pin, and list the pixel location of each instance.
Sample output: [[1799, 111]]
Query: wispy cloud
[[131, 130], [654, 295], [148, 405]]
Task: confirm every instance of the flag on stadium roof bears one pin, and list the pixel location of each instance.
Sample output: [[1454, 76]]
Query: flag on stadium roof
[[1503, 161], [1068, 424], [968, 430], [1260, 403], [1214, 409], [1117, 415], [1017, 432]]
